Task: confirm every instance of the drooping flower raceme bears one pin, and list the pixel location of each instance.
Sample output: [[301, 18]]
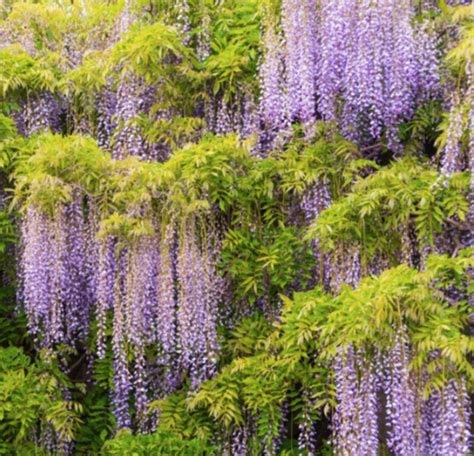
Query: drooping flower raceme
[[335, 20], [40, 113], [127, 139], [355, 417], [449, 427], [372, 67], [55, 276], [301, 53], [401, 413], [122, 376], [196, 308], [316, 199]]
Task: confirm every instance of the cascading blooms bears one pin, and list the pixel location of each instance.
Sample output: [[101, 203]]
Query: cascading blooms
[[161, 293], [300, 29], [364, 65], [55, 275], [436, 425], [357, 62]]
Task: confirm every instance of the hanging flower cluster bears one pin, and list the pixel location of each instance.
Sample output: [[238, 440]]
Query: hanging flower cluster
[[451, 160], [360, 63], [154, 299], [300, 29], [163, 293], [355, 420], [41, 112], [126, 139], [162, 298], [400, 398], [272, 99], [55, 275], [182, 6], [197, 307], [307, 428], [316, 199], [449, 413], [435, 426]]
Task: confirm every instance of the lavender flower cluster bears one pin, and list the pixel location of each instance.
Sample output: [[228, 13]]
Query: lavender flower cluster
[[55, 275], [360, 63], [161, 293], [382, 387]]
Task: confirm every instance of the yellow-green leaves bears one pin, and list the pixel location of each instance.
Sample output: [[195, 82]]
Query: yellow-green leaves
[[265, 261], [405, 192], [20, 73], [52, 166], [463, 54], [89, 77], [147, 51], [235, 44], [31, 394], [130, 194], [368, 316]]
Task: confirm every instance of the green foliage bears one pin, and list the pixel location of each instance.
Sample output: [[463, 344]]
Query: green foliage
[[317, 324], [10, 144], [205, 174], [248, 337], [45, 22], [265, 262], [159, 443], [153, 49], [463, 54], [176, 418], [7, 131], [13, 324], [152, 52], [369, 315], [51, 167], [378, 205], [278, 369], [235, 41], [98, 420], [216, 172], [21, 73], [87, 79], [421, 132], [327, 157], [30, 395], [174, 132], [145, 50], [7, 231]]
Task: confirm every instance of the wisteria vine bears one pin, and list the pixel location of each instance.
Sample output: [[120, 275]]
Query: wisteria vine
[[154, 299]]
